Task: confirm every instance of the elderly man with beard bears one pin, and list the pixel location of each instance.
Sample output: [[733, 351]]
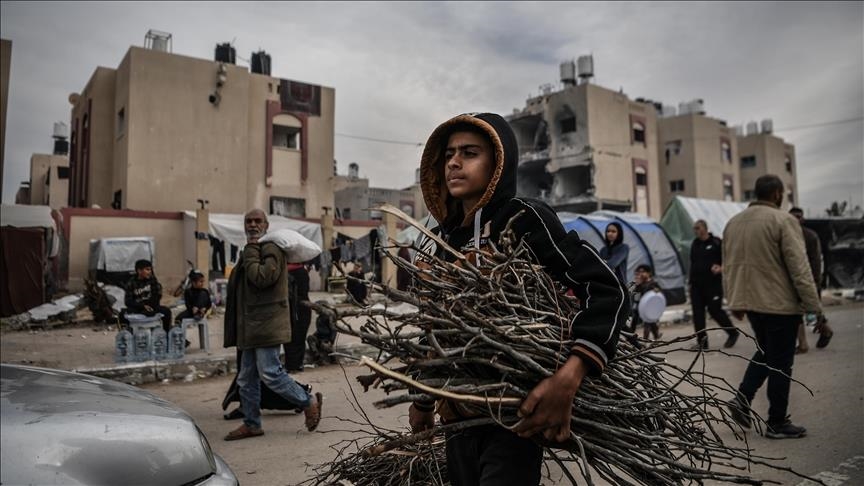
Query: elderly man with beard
[[258, 322]]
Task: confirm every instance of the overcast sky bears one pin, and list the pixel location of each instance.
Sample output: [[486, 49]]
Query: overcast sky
[[399, 69]]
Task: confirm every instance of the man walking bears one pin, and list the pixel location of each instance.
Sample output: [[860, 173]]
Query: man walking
[[706, 285], [768, 278], [814, 256], [258, 322]]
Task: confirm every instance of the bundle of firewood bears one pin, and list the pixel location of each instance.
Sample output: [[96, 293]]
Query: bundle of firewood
[[486, 330]]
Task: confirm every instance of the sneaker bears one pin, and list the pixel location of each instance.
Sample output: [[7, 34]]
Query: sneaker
[[733, 338], [824, 339], [786, 430], [244, 432], [740, 412]]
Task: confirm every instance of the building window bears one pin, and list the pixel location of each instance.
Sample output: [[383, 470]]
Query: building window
[[748, 195], [568, 125], [676, 186], [748, 161], [290, 207], [346, 213], [728, 189], [672, 148], [638, 132], [641, 177], [726, 151], [286, 137], [62, 172], [788, 161], [121, 122]]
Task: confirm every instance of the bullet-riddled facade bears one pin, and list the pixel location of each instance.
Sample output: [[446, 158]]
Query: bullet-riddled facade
[[585, 148], [163, 131]]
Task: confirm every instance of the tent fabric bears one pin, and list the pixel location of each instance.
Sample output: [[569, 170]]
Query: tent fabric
[[22, 263], [842, 241], [229, 227], [649, 244], [27, 216], [682, 212], [120, 254]]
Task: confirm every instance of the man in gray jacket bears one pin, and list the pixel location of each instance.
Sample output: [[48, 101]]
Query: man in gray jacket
[[768, 278], [257, 321]]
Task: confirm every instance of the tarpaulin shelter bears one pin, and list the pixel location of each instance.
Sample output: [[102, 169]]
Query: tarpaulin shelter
[[682, 212], [28, 236], [842, 241], [112, 260], [649, 244], [229, 227]]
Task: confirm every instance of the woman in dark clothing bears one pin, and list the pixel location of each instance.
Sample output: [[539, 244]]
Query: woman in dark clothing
[[616, 251]]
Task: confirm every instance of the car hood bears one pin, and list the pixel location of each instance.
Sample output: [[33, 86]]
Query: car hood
[[69, 428]]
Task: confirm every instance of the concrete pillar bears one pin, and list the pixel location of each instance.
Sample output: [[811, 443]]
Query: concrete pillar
[[202, 242], [388, 268]]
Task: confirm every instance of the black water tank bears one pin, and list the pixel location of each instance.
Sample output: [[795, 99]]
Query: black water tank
[[226, 53], [61, 146], [261, 63]]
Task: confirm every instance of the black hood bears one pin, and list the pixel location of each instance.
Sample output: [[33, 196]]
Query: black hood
[[501, 187]]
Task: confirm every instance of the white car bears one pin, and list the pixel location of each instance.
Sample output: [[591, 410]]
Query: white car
[[68, 428]]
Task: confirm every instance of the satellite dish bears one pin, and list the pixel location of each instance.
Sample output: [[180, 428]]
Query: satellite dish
[[651, 306]]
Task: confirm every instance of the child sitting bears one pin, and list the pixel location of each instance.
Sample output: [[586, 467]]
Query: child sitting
[[196, 298]]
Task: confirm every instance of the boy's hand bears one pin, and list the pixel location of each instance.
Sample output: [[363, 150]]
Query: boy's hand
[[420, 420], [547, 408]]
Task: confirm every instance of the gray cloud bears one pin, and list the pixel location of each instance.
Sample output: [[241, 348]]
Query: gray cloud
[[399, 69]]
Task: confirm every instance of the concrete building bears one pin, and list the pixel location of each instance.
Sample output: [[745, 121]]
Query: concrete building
[[697, 156], [5, 65], [353, 197], [584, 147], [162, 131], [761, 152], [49, 180]]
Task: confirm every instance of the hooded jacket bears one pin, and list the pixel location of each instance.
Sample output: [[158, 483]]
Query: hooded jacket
[[564, 256]]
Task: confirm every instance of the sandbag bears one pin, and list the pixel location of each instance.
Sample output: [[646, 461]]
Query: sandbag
[[297, 248]]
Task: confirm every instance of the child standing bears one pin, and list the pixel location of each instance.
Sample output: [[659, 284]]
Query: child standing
[[468, 177], [645, 283]]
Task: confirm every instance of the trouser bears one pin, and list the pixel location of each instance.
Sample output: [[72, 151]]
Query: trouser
[[262, 364], [489, 455], [775, 335], [295, 351], [702, 296]]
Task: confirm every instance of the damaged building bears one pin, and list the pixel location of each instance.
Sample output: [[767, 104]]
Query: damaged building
[[585, 148]]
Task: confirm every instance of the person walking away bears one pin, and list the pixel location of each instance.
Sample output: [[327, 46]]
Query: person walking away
[[768, 279], [144, 294], [468, 178], [814, 257], [301, 316], [616, 252], [257, 321], [706, 285]]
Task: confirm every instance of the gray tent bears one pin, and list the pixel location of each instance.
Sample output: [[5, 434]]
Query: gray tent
[[648, 243]]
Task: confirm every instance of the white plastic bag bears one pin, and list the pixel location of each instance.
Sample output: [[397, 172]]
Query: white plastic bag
[[297, 248]]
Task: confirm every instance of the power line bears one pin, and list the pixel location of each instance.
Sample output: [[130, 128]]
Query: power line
[[786, 129], [380, 140]]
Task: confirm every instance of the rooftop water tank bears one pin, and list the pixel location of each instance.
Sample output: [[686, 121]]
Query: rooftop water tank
[[586, 67], [669, 110], [683, 108], [739, 130], [767, 126], [157, 40], [60, 130], [225, 52], [261, 63], [697, 107], [568, 73], [752, 128], [353, 170]]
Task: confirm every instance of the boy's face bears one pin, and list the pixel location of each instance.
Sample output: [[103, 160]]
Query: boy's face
[[144, 273], [198, 283], [468, 165]]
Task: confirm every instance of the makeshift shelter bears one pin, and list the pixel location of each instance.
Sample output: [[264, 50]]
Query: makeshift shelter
[[649, 244], [28, 237], [112, 260], [842, 243], [682, 212], [229, 227]]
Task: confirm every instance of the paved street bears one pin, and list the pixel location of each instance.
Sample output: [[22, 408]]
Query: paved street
[[834, 415]]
